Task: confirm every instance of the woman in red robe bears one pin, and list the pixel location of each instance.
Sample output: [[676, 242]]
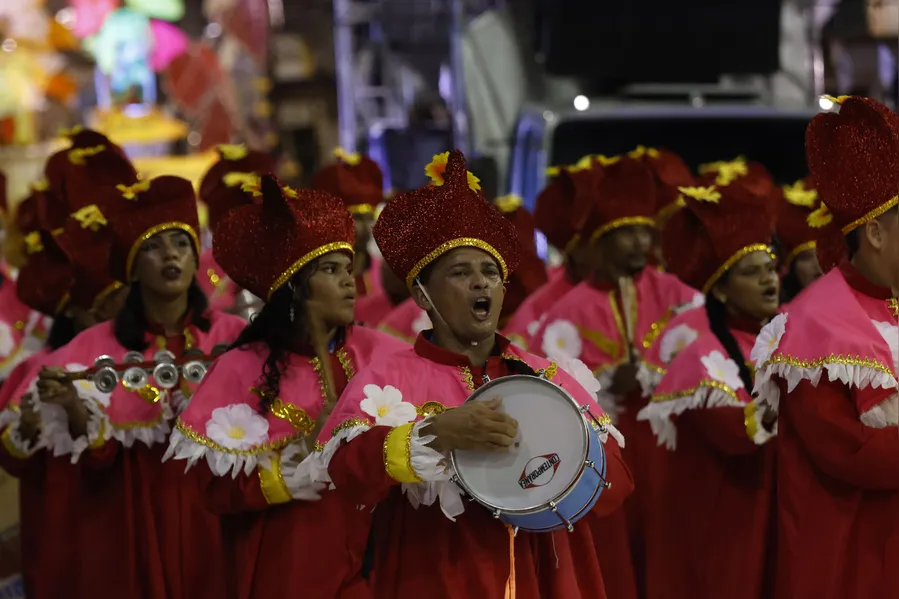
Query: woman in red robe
[[709, 499], [158, 540], [277, 384]]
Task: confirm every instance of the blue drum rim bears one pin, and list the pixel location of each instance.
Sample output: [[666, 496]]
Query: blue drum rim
[[561, 496]]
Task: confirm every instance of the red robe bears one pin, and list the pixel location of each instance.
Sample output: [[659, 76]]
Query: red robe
[[274, 544], [132, 526], [419, 551]]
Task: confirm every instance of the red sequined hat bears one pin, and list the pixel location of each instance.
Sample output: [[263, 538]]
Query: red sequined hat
[[144, 209], [625, 196], [261, 246], [26, 218], [751, 175], [714, 230], [44, 281], [87, 238], [853, 154], [221, 189], [419, 226], [794, 203], [669, 172], [356, 179], [531, 271], [91, 160], [555, 204]]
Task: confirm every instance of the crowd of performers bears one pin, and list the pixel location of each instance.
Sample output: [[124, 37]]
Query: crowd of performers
[[743, 332]]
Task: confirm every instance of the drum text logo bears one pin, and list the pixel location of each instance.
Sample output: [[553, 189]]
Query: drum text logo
[[539, 471]]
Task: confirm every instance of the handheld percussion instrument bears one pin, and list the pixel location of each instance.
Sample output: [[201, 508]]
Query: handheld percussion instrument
[[557, 470], [134, 371]]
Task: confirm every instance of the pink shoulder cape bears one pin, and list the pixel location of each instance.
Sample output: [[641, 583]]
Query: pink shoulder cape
[[372, 309], [372, 277], [223, 423], [701, 375], [22, 330], [530, 314], [590, 325], [124, 416], [405, 321], [831, 330], [406, 389], [218, 287], [680, 332]]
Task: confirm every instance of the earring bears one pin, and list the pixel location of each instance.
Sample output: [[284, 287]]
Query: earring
[[721, 298], [293, 314]]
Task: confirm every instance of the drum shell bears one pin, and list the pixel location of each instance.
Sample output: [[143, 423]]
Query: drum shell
[[576, 503], [571, 503]]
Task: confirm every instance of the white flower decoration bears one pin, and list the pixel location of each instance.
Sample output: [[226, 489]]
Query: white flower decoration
[[237, 426], [422, 323], [890, 334], [675, 341], [7, 343], [723, 370], [768, 340], [580, 373], [386, 406], [561, 341], [698, 301], [535, 325]]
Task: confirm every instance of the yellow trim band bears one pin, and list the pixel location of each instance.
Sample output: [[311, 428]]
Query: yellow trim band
[[451, 245], [627, 221], [361, 209], [736, 257], [398, 454], [871, 215], [272, 483], [109, 290], [10, 447], [794, 253], [749, 420], [155, 229], [296, 266]]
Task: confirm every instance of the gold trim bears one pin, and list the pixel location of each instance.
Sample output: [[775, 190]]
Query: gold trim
[[808, 245], [309, 257], [736, 257], [703, 384], [668, 210], [274, 489], [355, 209], [10, 447], [656, 328], [882, 209], [199, 439], [451, 245], [831, 359], [430, 408], [110, 289], [168, 226], [749, 421], [61, 304], [627, 221]]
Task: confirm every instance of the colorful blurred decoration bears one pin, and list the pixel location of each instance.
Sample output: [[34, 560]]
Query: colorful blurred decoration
[[130, 131], [32, 70], [244, 20], [90, 15], [191, 167], [166, 10], [169, 43], [123, 49]]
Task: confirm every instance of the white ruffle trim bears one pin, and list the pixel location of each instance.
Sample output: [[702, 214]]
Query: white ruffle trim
[[610, 430], [649, 379], [659, 413], [761, 434], [55, 434], [297, 470], [882, 415], [12, 419], [609, 402], [220, 463], [319, 460]]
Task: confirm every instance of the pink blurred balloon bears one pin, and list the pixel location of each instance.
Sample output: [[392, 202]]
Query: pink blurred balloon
[[90, 14], [169, 43]]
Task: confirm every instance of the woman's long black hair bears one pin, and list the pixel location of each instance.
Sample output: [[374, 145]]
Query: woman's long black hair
[[130, 327], [272, 326], [717, 315], [61, 331]]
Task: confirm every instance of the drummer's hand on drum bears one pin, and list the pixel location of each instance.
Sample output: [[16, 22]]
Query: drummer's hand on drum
[[474, 426]]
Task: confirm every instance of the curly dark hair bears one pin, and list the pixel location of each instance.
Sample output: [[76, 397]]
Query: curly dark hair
[[130, 327], [272, 326]]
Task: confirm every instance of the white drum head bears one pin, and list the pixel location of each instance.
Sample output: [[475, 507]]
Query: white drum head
[[550, 455]]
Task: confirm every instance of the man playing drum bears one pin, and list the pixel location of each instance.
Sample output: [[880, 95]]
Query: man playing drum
[[388, 440]]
